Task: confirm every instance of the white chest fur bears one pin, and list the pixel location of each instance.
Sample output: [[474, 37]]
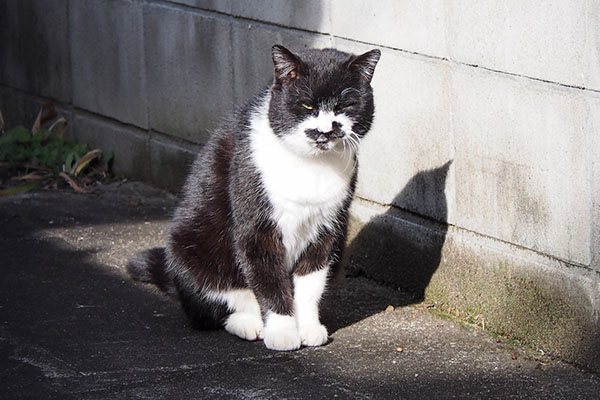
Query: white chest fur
[[306, 192]]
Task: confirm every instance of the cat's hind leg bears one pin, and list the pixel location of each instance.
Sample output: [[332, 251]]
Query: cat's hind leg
[[203, 313], [245, 320], [235, 310]]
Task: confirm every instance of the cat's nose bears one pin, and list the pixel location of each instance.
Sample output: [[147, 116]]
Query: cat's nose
[[330, 127], [336, 130]]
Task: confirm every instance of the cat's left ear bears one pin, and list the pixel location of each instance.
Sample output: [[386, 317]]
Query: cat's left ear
[[365, 64], [287, 64]]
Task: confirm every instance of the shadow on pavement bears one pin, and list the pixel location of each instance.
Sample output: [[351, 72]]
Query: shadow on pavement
[[72, 327], [395, 251]]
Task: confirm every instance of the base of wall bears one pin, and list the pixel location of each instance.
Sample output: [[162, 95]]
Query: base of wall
[[544, 303], [140, 154]]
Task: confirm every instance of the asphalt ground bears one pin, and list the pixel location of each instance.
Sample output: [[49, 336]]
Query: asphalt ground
[[73, 326]]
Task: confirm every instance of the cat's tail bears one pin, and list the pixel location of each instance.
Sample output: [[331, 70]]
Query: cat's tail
[[150, 266]]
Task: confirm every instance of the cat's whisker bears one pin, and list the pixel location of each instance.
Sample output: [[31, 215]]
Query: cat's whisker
[[345, 153], [350, 151], [354, 141], [334, 150]]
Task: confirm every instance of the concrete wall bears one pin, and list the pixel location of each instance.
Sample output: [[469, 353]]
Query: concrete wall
[[479, 188]]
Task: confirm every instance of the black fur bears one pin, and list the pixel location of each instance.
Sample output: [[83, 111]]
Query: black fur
[[223, 236], [149, 267]]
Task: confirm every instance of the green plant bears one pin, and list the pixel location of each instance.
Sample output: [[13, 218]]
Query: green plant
[[42, 153]]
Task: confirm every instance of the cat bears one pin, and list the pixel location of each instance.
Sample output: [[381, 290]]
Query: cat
[[263, 218]]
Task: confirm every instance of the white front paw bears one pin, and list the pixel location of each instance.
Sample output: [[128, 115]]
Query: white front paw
[[313, 334], [282, 340], [245, 326], [281, 333]]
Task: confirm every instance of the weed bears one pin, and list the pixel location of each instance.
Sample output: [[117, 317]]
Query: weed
[[41, 157]]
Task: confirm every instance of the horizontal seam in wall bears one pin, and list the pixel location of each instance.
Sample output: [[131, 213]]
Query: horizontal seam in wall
[[152, 133], [454, 62], [161, 136], [431, 220], [56, 102], [265, 24]]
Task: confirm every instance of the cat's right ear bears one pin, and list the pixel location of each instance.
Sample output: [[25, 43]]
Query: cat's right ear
[[365, 64], [287, 64]]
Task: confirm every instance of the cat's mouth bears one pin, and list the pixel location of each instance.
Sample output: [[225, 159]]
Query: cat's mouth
[[327, 144], [324, 141], [324, 146]]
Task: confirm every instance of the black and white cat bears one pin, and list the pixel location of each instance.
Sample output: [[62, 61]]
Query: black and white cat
[[264, 214]]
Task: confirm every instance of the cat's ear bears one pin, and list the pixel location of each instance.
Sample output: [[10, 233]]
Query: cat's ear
[[365, 64], [287, 64]]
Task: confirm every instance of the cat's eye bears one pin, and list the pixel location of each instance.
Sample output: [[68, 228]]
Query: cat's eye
[[308, 106]]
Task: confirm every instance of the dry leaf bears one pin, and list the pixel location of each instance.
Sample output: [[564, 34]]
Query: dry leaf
[[32, 175], [35, 129], [72, 183], [85, 160], [63, 128], [38, 167], [41, 118]]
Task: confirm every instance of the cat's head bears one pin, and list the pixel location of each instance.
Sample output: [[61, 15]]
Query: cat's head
[[322, 100]]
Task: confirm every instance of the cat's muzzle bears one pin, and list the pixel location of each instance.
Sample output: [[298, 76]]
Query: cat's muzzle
[[322, 139]]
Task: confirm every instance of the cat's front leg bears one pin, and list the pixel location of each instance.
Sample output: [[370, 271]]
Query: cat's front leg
[[261, 253], [280, 327], [308, 289], [311, 274]]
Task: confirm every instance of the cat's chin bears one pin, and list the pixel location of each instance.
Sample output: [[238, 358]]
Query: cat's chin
[[321, 150], [324, 146], [331, 148], [315, 149]]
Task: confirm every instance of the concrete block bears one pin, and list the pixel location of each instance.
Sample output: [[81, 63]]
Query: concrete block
[[252, 62], [189, 71], [406, 158], [107, 56], [558, 42], [108, 72], [594, 155], [223, 6], [521, 171], [591, 57], [170, 163], [414, 26], [35, 47], [310, 15], [129, 145]]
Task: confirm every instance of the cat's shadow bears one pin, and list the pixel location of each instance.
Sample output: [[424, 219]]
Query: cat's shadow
[[393, 257]]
